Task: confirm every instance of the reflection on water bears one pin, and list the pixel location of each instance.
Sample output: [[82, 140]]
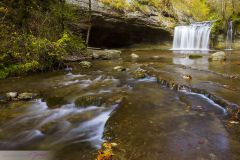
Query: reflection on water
[[201, 63], [191, 52]]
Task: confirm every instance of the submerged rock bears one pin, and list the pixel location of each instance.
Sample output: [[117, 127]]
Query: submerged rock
[[139, 74], [119, 69], [26, 96], [89, 100], [218, 56], [85, 64], [134, 56], [106, 54]]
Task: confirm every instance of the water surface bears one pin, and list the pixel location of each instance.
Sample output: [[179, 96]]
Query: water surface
[[147, 120]]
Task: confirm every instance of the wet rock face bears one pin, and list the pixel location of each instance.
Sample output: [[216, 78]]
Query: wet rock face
[[120, 34], [114, 29]]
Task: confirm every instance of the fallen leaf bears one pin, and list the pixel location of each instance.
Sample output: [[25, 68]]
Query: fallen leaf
[[106, 152]]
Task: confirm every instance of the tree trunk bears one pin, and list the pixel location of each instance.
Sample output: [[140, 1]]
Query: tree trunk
[[89, 22]]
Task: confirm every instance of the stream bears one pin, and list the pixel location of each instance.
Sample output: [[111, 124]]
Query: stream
[[147, 119]]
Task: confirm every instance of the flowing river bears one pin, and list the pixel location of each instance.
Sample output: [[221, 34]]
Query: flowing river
[[147, 118]]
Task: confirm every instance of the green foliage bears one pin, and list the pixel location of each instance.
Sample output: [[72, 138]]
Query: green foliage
[[23, 53], [119, 5], [140, 6], [19, 69], [72, 44], [197, 9], [33, 37]]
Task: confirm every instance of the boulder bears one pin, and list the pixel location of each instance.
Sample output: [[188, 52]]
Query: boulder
[[11, 95], [218, 56], [134, 56], [85, 64], [106, 54]]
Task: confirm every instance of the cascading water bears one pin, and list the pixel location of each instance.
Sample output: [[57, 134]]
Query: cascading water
[[229, 36], [193, 37]]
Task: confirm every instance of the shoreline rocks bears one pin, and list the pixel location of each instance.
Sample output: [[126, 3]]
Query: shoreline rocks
[[15, 96]]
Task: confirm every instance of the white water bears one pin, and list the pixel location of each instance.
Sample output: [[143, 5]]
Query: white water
[[193, 37], [229, 36]]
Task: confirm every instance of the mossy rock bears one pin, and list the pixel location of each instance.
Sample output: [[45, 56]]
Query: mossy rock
[[56, 102], [85, 64], [139, 74], [195, 56], [89, 100]]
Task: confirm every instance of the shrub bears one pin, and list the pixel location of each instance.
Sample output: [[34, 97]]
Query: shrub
[[72, 44], [22, 53]]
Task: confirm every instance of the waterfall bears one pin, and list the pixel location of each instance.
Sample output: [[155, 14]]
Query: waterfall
[[193, 37], [229, 36]]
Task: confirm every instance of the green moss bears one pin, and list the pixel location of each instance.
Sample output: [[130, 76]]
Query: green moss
[[195, 56]]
